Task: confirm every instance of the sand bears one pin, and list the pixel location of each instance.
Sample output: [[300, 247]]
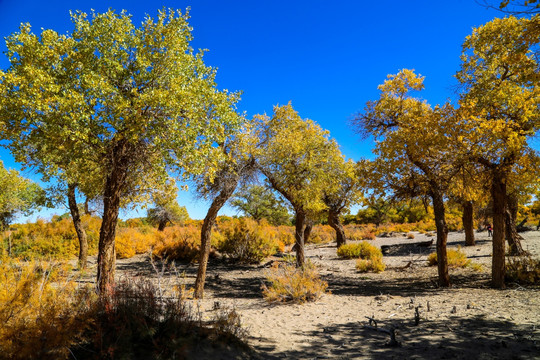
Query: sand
[[467, 321]]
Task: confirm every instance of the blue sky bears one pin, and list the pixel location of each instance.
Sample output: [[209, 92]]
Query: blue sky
[[327, 57]]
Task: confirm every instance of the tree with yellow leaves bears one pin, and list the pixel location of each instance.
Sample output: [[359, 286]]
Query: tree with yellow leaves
[[134, 102], [499, 100], [415, 148], [297, 158]]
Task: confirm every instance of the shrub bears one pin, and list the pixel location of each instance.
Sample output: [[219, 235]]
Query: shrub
[[523, 270], [456, 258], [290, 284], [132, 241], [374, 264], [410, 236], [178, 243], [321, 234], [40, 319], [362, 250], [353, 232], [249, 242]]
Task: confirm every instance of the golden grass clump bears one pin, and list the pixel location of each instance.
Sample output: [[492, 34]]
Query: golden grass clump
[[290, 284], [321, 234], [523, 270], [456, 258], [369, 256], [178, 243], [410, 236], [374, 264]]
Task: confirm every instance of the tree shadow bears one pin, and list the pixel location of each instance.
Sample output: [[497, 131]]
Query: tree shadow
[[455, 338]]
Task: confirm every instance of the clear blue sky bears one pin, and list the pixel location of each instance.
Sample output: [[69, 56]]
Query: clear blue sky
[[327, 57]]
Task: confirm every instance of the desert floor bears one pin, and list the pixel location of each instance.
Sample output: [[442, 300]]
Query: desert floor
[[467, 321]]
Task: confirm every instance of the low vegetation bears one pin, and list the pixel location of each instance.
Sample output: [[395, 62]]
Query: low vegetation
[[456, 258], [523, 270], [287, 283]]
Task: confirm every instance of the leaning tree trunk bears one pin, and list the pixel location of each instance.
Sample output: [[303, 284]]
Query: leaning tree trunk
[[300, 226], [468, 222], [81, 234], [442, 235], [498, 194], [333, 221], [513, 238], [206, 231], [162, 224]]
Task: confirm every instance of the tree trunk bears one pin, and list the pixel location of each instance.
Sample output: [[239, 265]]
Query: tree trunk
[[307, 230], [111, 206], [206, 231], [498, 194], [514, 243], [86, 207], [300, 226], [468, 223], [333, 221], [442, 235], [81, 234], [162, 224]]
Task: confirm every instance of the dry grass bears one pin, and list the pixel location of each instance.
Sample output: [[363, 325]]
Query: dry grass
[[456, 258]]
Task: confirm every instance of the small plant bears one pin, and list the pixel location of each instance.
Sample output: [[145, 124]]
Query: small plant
[[456, 258], [290, 284], [523, 270], [375, 265], [410, 236], [362, 250]]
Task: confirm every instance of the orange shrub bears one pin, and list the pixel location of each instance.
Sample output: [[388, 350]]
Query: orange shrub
[[178, 243], [132, 241], [321, 234]]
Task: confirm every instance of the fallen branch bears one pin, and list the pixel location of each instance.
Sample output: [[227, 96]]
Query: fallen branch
[[392, 331]]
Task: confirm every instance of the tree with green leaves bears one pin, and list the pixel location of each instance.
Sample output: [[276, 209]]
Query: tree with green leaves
[[499, 98], [18, 196], [133, 102], [259, 202], [295, 155], [166, 209]]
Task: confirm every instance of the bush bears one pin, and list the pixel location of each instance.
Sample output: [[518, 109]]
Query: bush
[[456, 258], [322, 234], [375, 264], [523, 270], [362, 250], [249, 242], [132, 241], [410, 236], [290, 284], [178, 243]]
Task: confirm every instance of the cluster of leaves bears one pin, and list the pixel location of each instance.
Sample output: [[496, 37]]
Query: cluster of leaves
[[287, 283], [260, 202], [369, 256]]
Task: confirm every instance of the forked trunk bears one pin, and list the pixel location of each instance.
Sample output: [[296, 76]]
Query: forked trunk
[[300, 226], [498, 194], [513, 238], [206, 231], [468, 222], [442, 235], [333, 221], [81, 234]]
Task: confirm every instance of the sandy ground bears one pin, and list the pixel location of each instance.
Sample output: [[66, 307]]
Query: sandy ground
[[467, 321]]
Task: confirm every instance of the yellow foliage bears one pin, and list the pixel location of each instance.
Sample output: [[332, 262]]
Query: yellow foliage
[[132, 241], [363, 250], [178, 243], [523, 270], [321, 234], [375, 265], [456, 258], [290, 284]]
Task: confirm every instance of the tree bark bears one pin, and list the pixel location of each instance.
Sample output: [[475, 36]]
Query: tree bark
[[468, 222], [307, 230], [114, 184], [498, 194], [333, 221], [513, 238], [162, 224], [86, 207], [300, 226], [442, 235], [206, 231], [81, 233]]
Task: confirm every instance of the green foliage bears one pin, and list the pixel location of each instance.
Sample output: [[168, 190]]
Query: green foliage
[[18, 196], [248, 241], [456, 258], [523, 270], [288, 283], [259, 202]]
